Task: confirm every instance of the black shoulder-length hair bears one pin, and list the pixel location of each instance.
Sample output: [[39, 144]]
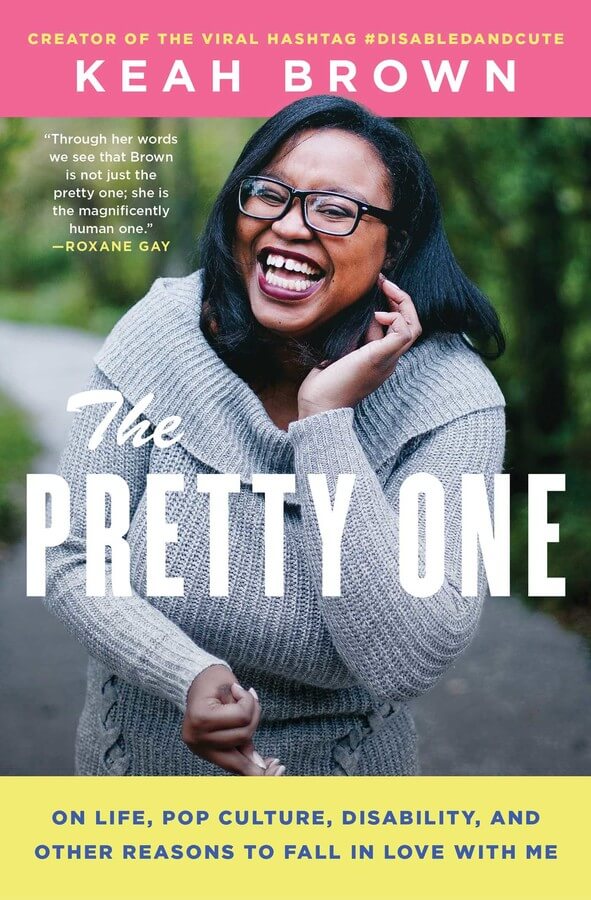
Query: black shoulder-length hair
[[419, 259]]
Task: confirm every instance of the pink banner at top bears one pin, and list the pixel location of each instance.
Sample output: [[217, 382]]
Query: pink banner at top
[[456, 58]]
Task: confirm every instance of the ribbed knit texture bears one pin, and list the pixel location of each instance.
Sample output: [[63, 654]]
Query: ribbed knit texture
[[323, 667]]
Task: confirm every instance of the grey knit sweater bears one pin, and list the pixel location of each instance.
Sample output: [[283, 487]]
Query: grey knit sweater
[[333, 674]]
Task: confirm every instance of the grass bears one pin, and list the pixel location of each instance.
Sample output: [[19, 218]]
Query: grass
[[18, 449], [58, 303]]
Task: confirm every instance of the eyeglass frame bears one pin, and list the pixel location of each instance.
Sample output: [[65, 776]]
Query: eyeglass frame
[[384, 215]]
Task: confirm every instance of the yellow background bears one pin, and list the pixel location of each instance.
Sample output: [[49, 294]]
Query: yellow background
[[27, 804]]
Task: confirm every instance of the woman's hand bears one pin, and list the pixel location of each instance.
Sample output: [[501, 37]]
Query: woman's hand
[[350, 379], [220, 720]]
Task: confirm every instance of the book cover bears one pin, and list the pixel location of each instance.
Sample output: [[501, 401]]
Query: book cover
[[294, 431]]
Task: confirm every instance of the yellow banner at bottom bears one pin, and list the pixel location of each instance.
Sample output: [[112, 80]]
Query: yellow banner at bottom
[[282, 838]]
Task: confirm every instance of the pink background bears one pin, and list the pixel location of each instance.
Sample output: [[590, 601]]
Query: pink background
[[40, 81]]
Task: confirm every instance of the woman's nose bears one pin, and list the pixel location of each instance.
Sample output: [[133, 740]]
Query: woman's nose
[[292, 224]]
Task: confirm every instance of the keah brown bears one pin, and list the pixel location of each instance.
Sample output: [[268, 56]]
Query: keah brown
[[329, 332]]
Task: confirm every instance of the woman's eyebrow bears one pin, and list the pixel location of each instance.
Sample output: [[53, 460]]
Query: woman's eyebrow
[[357, 195], [336, 189]]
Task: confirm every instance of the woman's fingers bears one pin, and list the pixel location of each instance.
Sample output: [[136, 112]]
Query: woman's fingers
[[257, 715], [220, 720], [274, 767], [394, 294], [209, 715], [240, 694], [236, 737], [233, 761], [398, 338], [249, 750], [395, 323], [401, 302], [230, 737], [375, 331]]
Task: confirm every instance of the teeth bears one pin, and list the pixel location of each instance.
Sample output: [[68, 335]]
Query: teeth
[[287, 284], [291, 265]]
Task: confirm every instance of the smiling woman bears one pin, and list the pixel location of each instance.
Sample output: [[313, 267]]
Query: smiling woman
[[327, 333], [342, 244]]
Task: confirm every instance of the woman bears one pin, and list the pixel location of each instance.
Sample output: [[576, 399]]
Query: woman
[[293, 351]]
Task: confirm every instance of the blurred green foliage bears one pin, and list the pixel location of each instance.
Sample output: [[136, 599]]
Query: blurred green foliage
[[516, 195], [517, 200]]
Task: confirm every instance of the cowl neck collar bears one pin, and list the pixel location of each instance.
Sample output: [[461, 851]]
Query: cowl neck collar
[[158, 347]]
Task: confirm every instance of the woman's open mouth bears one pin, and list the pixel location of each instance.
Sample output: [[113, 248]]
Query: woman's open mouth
[[288, 276]]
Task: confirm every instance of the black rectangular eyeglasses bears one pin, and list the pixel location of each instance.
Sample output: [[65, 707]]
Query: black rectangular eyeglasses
[[268, 198]]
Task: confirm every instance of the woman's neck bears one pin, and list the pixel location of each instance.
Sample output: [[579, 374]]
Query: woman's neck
[[280, 397]]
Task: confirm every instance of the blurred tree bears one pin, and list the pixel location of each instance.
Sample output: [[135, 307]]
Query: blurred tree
[[14, 137], [187, 193], [516, 196], [534, 257]]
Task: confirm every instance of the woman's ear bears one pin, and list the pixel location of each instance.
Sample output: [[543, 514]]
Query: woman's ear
[[391, 255], [397, 247], [388, 261]]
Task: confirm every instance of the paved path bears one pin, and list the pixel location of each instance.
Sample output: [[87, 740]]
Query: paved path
[[42, 668], [517, 703]]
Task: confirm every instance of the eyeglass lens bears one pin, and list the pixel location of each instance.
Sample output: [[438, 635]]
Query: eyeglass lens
[[330, 213]]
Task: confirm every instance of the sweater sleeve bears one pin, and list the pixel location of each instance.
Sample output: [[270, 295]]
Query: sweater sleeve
[[397, 645], [127, 634]]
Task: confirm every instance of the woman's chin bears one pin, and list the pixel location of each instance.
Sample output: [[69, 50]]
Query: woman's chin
[[285, 316], [283, 323]]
